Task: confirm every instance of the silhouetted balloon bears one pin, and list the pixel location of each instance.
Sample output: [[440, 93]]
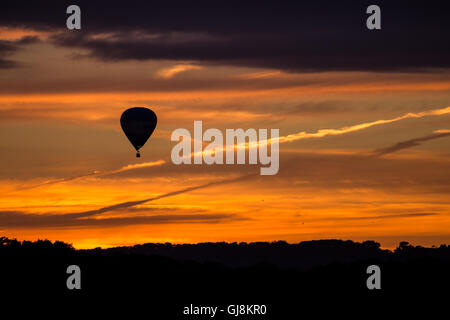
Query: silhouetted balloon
[[138, 125]]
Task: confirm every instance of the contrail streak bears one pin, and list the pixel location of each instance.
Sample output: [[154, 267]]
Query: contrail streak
[[411, 143], [326, 132], [289, 138], [14, 219], [329, 132], [95, 173], [129, 204]]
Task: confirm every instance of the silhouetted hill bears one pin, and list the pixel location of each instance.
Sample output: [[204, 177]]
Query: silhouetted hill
[[281, 254], [327, 277]]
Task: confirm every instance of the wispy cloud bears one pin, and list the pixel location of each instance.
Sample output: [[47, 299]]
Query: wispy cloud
[[361, 126], [411, 143], [20, 219], [8, 47], [14, 34], [136, 166], [289, 138], [388, 216], [129, 204], [17, 219], [442, 131], [259, 75], [95, 173], [333, 132], [168, 73]]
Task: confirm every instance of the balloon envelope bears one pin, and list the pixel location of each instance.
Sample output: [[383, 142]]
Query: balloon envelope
[[138, 125]]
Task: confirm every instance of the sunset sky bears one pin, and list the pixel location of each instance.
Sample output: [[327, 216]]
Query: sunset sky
[[313, 71]]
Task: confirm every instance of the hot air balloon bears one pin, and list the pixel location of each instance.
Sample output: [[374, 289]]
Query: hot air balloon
[[138, 125]]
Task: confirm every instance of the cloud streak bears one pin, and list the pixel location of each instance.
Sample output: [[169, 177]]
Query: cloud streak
[[334, 132], [389, 216], [95, 173], [361, 126], [16, 219], [168, 73], [129, 204], [288, 138], [410, 143]]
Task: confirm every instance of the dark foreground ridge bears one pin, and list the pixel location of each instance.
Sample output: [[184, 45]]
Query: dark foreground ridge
[[327, 277]]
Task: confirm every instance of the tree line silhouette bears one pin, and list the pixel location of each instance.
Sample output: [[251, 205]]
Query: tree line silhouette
[[289, 278]]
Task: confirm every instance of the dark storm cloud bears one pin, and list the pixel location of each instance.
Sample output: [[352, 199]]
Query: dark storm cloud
[[409, 143], [292, 36], [7, 48]]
